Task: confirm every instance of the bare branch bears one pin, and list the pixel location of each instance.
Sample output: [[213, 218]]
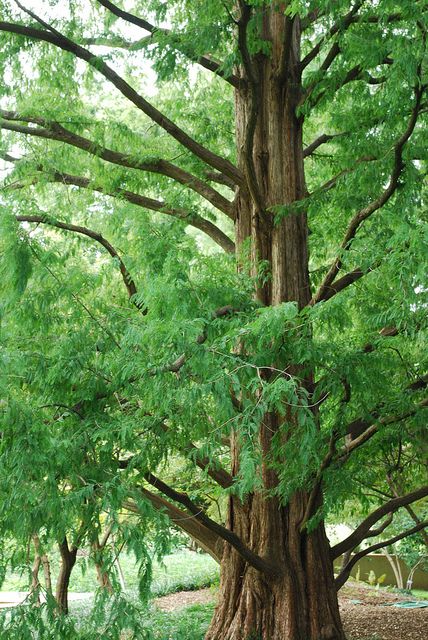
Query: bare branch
[[227, 535], [322, 139], [207, 539], [54, 131], [220, 178], [344, 282], [116, 42], [308, 20], [358, 426], [368, 433], [372, 533]]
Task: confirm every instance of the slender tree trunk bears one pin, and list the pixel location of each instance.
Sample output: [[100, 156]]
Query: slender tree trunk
[[35, 582], [45, 563], [301, 602], [47, 573], [103, 578], [395, 565], [120, 572], [68, 560], [102, 575]]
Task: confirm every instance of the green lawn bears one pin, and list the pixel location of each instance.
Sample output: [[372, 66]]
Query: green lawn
[[420, 594], [188, 624], [182, 570]]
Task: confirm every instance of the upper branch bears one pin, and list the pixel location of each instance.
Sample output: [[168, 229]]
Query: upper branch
[[64, 43], [344, 282], [363, 530], [341, 25], [371, 430], [322, 139], [376, 204], [173, 39], [54, 131], [190, 218]]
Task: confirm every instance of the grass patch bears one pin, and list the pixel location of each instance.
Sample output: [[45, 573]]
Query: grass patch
[[190, 623], [419, 594], [183, 570]]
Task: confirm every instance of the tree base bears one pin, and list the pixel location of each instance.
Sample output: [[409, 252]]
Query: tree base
[[301, 604]]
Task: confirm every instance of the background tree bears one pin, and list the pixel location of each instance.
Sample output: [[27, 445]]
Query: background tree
[[292, 136]]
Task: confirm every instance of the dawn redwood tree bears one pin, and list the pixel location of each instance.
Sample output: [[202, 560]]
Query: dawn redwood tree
[[293, 352]]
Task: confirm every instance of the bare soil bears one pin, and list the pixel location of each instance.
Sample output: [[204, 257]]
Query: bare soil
[[367, 619]]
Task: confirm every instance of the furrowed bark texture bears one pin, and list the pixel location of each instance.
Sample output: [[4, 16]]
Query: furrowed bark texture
[[300, 603]]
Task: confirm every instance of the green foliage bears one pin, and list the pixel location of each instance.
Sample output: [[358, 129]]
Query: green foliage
[[109, 620], [188, 624], [91, 397], [413, 548]]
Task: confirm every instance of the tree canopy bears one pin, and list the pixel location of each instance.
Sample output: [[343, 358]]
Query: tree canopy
[[140, 334]]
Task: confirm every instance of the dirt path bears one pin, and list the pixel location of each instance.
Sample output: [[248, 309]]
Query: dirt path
[[363, 611]]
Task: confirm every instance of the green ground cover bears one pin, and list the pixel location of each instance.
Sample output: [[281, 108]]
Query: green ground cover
[[183, 570]]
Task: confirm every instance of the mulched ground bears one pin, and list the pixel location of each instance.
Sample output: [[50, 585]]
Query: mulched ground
[[175, 601], [370, 618], [367, 620]]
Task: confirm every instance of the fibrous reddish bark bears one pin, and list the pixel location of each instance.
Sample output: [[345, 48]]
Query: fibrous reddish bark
[[300, 601]]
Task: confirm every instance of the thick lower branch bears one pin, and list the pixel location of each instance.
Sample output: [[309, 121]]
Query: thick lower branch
[[227, 535], [206, 539]]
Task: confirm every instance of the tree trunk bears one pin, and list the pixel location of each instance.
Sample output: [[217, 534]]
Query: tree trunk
[[103, 577], [45, 562], [35, 582], [301, 602], [68, 560], [120, 572]]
